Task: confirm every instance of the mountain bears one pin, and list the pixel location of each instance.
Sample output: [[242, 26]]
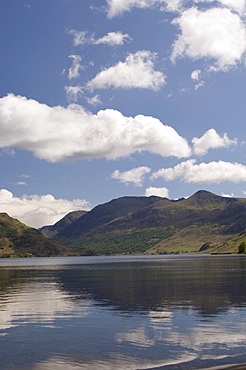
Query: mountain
[[51, 230], [19, 239], [102, 215], [202, 222]]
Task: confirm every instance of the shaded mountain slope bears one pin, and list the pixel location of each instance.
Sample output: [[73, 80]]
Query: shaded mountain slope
[[51, 230], [102, 215], [157, 225]]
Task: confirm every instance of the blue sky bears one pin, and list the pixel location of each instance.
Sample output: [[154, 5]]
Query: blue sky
[[102, 99]]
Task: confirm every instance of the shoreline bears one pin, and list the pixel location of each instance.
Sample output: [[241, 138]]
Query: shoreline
[[229, 367]]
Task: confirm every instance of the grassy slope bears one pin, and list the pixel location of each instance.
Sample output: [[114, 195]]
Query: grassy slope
[[158, 225], [17, 238], [217, 228], [191, 239]]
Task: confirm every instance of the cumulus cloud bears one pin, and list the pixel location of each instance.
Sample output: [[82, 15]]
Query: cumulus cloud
[[236, 5], [135, 175], [36, 210], [66, 134], [211, 140], [213, 172], [118, 7], [220, 35], [137, 71], [73, 71], [159, 192], [111, 38]]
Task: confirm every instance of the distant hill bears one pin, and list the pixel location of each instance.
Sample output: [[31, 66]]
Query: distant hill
[[204, 221], [19, 239], [51, 230]]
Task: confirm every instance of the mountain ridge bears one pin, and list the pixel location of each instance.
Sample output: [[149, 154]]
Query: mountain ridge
[[157, 225], [52, 230]]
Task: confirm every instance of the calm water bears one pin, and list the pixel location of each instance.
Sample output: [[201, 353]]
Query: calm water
[[145, 312]]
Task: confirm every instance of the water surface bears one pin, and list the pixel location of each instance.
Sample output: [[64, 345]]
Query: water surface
[[128, 312]]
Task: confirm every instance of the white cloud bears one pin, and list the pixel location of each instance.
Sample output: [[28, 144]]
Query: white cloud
[[211, 140], [213, 172], [136, 72], [7, 151], [173, 5], [113, 38], [159, 192], [36, 210], [21, 183], [220, 35], [195, 75], [81, 37], [135, 175], [73, 71], [118, 7], [73, 93], [66, 134], [228, 195], [236, 5], [95, 100], [200, 84]]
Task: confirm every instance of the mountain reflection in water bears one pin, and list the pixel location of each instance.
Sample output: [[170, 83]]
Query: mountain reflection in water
[[145, 312]]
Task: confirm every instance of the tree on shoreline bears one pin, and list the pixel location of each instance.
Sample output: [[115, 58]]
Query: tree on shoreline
[[242, 247]]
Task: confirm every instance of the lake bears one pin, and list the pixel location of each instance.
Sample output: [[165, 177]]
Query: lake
[[123, 312]]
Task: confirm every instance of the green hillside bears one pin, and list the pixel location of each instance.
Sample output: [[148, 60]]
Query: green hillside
[[102, 216], [159, 225], [21, 240]]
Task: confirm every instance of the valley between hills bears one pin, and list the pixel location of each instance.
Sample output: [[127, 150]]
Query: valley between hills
[[204, 223]]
